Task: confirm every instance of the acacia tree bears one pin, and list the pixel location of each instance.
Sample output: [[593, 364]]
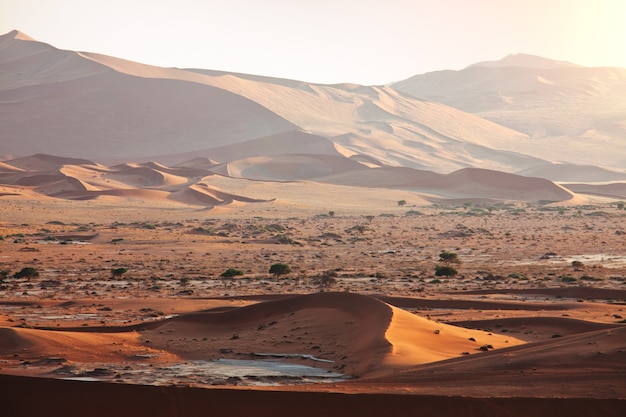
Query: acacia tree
[[28, 272], [445, 271], [325, 280], [279, 269], [449, 258]]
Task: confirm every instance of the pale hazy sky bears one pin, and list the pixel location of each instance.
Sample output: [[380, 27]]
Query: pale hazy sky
[[327, 41]]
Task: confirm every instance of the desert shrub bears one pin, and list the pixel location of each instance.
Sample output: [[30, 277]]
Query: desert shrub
[[402, 202], [27, 272], [449, 257], [361, 228], [326, 279], [568, 278], [231, 272], [445, 271], [330, 235], [275, 227], [118, 272], [279, 269], [286, 240], [577, 265]]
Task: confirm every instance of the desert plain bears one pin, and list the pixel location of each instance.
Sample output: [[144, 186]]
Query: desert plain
[[519, 328]]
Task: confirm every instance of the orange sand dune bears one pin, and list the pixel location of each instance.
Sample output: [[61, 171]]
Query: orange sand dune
[[58, 177], [537, 327], [418, 340], [361, 333], [74, 346], [202, 194], [53, 184], [180, 171], [7, 168], [565, 365], [471, 183], [474, 182], [144, 177]]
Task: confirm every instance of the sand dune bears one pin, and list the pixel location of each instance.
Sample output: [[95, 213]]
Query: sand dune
[[563, 107], [166, 114], [44, 162], [293, 142], [573, 173], [201, 181], [614, 190], [417, 340], [75, 346], [466, 183], [485, 183], [184, 111], [291, 167], [364, 334], [71, 96], [76, 179], [576, 360], [201, 194]]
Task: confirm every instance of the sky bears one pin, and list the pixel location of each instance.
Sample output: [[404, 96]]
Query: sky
[[327, 41]]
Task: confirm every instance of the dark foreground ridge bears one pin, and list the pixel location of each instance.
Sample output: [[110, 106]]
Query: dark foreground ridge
[[33, 397]]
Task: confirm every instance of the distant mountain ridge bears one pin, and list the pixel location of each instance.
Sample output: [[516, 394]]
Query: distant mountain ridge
[[525, 61], [576, 114], [90, 106]]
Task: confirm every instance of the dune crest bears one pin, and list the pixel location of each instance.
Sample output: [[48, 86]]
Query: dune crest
[[417, 340]]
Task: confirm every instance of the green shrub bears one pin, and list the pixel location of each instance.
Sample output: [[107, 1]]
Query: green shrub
[[445, 271], [118, 272], [280, 269], [449, 257], [231, 272], [27, 272]]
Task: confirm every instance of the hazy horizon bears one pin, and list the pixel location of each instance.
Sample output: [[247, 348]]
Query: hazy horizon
[[323, 41]]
